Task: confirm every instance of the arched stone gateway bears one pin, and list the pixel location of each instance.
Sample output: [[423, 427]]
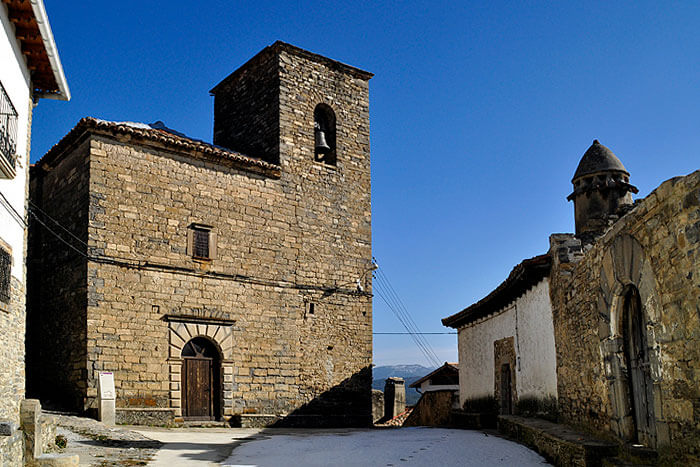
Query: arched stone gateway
[[200, 370], [629, 309]]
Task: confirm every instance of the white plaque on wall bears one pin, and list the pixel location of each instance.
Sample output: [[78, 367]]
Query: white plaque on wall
[[106, 386]]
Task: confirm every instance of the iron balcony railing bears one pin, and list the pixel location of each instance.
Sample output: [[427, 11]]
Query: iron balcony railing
[[8, 129]]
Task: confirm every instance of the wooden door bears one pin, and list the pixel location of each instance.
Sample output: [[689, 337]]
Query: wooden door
[[506, 390], [198, 388], [639, 374]]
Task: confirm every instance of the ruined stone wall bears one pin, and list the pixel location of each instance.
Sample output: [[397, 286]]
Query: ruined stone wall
[[56, 277], [655, 248]]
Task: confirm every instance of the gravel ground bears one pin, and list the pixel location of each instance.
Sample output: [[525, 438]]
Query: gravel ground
[[99, 445]]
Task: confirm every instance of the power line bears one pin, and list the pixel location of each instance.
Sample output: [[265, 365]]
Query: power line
[[11, 209], [147, 266], [388, 294], [419, 344], [413, 327], [405, 333]]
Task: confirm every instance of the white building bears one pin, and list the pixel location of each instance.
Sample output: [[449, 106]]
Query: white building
[[29, 69], [506, 344], [445, 378]]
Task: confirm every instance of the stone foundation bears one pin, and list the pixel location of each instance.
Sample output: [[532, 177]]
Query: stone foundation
[[145, 416]]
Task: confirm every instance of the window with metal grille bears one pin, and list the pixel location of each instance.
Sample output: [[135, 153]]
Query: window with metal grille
[[200, 244], [5, 271], [8, 135]]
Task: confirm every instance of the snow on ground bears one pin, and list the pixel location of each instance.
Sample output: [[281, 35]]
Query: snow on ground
[[401, 447]]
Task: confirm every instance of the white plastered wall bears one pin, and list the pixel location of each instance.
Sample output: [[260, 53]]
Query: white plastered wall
[[15, 79], [529, 321]]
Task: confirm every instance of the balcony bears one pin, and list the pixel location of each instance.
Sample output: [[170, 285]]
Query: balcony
[[8, 135]]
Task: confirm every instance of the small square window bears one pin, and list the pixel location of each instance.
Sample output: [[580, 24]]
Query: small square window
[[201, 242]]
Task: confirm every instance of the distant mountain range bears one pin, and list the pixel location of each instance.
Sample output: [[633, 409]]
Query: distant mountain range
[[410, 374]]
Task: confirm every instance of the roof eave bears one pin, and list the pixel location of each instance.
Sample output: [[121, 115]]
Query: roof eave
[[42, 19], [526, 274]]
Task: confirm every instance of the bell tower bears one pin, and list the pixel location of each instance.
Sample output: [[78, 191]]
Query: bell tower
[[601, 191], [289, 106]]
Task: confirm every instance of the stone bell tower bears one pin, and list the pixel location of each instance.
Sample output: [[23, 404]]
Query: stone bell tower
[[601, 191]]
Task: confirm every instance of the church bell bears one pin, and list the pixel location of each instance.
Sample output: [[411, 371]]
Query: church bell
[[321, 144]]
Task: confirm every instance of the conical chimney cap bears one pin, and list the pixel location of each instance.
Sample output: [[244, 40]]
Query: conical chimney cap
[[598, 158]]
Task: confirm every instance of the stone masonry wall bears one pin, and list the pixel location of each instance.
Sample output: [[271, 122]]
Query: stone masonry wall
[[56, 276], [12, 371], [283, 356], [656, 248], [246, 109]]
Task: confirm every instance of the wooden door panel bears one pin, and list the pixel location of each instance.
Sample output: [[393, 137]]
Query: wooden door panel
[[198, 387]]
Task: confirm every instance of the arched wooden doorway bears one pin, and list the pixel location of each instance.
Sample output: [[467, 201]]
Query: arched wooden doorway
[[201, 380], [638, 368]]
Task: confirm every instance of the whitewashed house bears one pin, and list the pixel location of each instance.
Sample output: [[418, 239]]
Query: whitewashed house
[[445, 378], [507, 356], [29, 69]]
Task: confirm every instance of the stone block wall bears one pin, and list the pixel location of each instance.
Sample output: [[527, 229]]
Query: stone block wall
[[655, 248], [247, 106], [57, 280], [12, 370], [253, 299]]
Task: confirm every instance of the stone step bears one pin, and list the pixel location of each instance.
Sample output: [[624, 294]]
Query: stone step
[[559, 443]]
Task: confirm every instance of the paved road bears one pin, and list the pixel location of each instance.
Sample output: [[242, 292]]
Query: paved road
[[392, 447], [195, 446]]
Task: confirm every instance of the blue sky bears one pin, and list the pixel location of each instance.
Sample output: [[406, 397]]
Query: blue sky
[[480, 112]]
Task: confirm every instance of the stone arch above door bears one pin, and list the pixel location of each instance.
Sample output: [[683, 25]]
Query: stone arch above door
[[182, 332]]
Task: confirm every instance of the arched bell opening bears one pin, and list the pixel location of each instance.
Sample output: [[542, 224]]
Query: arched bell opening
[[201, 380], [324, 135]]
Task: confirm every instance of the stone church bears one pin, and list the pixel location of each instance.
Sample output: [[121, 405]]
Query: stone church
[[602, 331], [227, 281]]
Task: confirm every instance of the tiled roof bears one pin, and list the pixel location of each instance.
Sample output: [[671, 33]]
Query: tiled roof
[[521, 278], [163, 136]]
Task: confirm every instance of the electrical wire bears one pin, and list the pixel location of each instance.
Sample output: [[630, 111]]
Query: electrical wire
[[420, 346], [410, 325], [11, 209], [141, 265], [384, 289]]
